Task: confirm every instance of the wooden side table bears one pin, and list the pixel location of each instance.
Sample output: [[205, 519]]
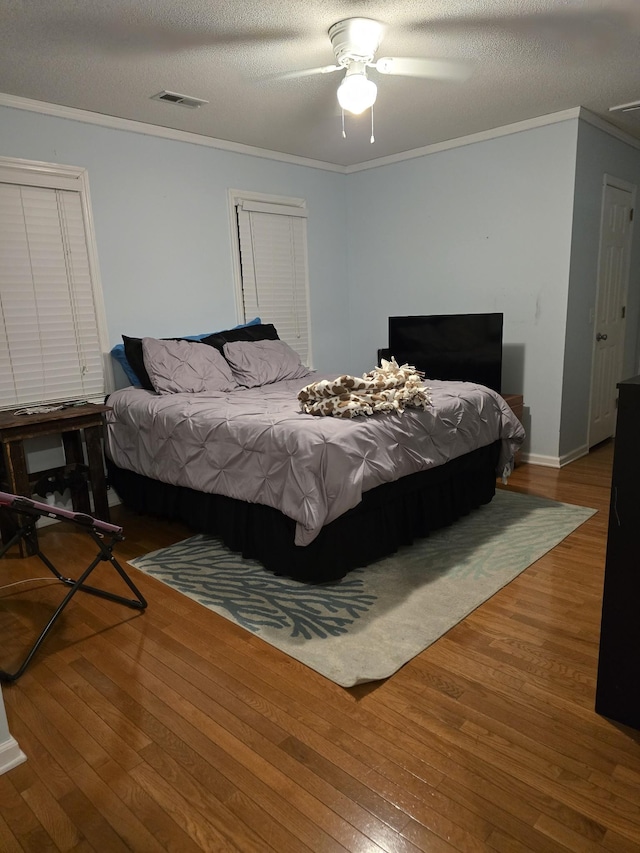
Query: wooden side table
[[70, 424], [515, 403]]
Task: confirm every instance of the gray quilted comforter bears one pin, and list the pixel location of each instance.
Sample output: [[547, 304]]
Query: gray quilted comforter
[[256, 445]]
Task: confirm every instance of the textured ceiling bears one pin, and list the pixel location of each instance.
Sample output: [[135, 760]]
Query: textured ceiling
[[526, 58]]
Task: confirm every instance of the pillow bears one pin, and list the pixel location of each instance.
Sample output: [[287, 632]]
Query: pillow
[[262, 362], [129, 355], [257, 332], [119, 355], [181, 366], [135, 356]]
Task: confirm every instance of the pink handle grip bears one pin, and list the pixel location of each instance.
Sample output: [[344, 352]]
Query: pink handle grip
[[17, 502]]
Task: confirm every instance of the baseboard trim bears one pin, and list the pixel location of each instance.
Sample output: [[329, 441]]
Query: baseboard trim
[[539, 459], [577, 453], [555, 461], [10, 754]]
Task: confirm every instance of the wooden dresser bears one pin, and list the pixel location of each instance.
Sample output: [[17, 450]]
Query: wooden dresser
[[618, 682]]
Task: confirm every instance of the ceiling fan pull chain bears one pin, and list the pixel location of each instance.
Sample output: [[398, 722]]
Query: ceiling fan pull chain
[[344, 135], [373, 139]]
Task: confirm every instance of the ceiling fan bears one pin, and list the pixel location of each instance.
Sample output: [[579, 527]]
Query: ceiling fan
[[355, 42]]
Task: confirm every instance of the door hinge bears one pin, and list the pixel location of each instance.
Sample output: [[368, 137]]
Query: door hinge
[[623, 312], [631, 215]]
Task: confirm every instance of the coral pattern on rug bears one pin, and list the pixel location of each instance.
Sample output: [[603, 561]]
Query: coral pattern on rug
[[366, 626], [254, 598]]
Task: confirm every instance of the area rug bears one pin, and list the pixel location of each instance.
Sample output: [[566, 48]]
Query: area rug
[[366, 626]]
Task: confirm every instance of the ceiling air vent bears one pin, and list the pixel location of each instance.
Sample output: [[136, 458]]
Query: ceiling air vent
[[627, 116], [631, 107], [181, 100]]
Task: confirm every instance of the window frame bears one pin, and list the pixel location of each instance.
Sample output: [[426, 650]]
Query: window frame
[[55, 176], [238, 196]]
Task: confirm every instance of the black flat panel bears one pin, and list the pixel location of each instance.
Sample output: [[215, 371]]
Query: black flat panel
[[465, 347], [618, 685]]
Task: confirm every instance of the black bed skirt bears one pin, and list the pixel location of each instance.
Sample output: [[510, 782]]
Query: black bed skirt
[[388, 517]]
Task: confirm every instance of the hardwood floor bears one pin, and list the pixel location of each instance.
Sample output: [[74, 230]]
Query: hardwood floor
[[176, 730]]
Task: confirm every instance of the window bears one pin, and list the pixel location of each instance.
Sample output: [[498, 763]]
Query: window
[[52, 328], [272, 271]]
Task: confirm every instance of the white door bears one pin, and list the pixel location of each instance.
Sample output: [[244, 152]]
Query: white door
[[609, 321]]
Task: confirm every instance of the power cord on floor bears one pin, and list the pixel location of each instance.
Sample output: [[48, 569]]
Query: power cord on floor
[[28, 580]]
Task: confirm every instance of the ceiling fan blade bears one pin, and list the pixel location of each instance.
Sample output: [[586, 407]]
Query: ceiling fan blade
[[140, 33], [573, 27], [438, 69], [304, 72]]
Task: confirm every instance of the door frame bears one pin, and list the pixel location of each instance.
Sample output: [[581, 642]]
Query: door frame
[[621, 184]]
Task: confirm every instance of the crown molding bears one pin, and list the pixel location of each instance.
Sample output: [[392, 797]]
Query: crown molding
[[483, 136], [133, 126], [611, 129]]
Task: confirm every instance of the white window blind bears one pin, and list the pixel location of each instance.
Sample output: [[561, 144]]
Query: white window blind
[[273, 259], [50, 348]]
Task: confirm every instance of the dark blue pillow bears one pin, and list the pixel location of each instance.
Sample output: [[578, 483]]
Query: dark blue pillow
[[255, 332]]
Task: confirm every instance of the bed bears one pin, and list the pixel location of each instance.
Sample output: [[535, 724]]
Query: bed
[[309, 497]]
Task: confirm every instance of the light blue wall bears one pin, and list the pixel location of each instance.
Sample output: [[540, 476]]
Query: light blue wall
[[163, 232], [483, 227], [163, 227], [599, 153]]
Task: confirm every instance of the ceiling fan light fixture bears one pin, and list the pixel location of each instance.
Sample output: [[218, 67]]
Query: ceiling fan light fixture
[[357, 93], [355, 39]]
